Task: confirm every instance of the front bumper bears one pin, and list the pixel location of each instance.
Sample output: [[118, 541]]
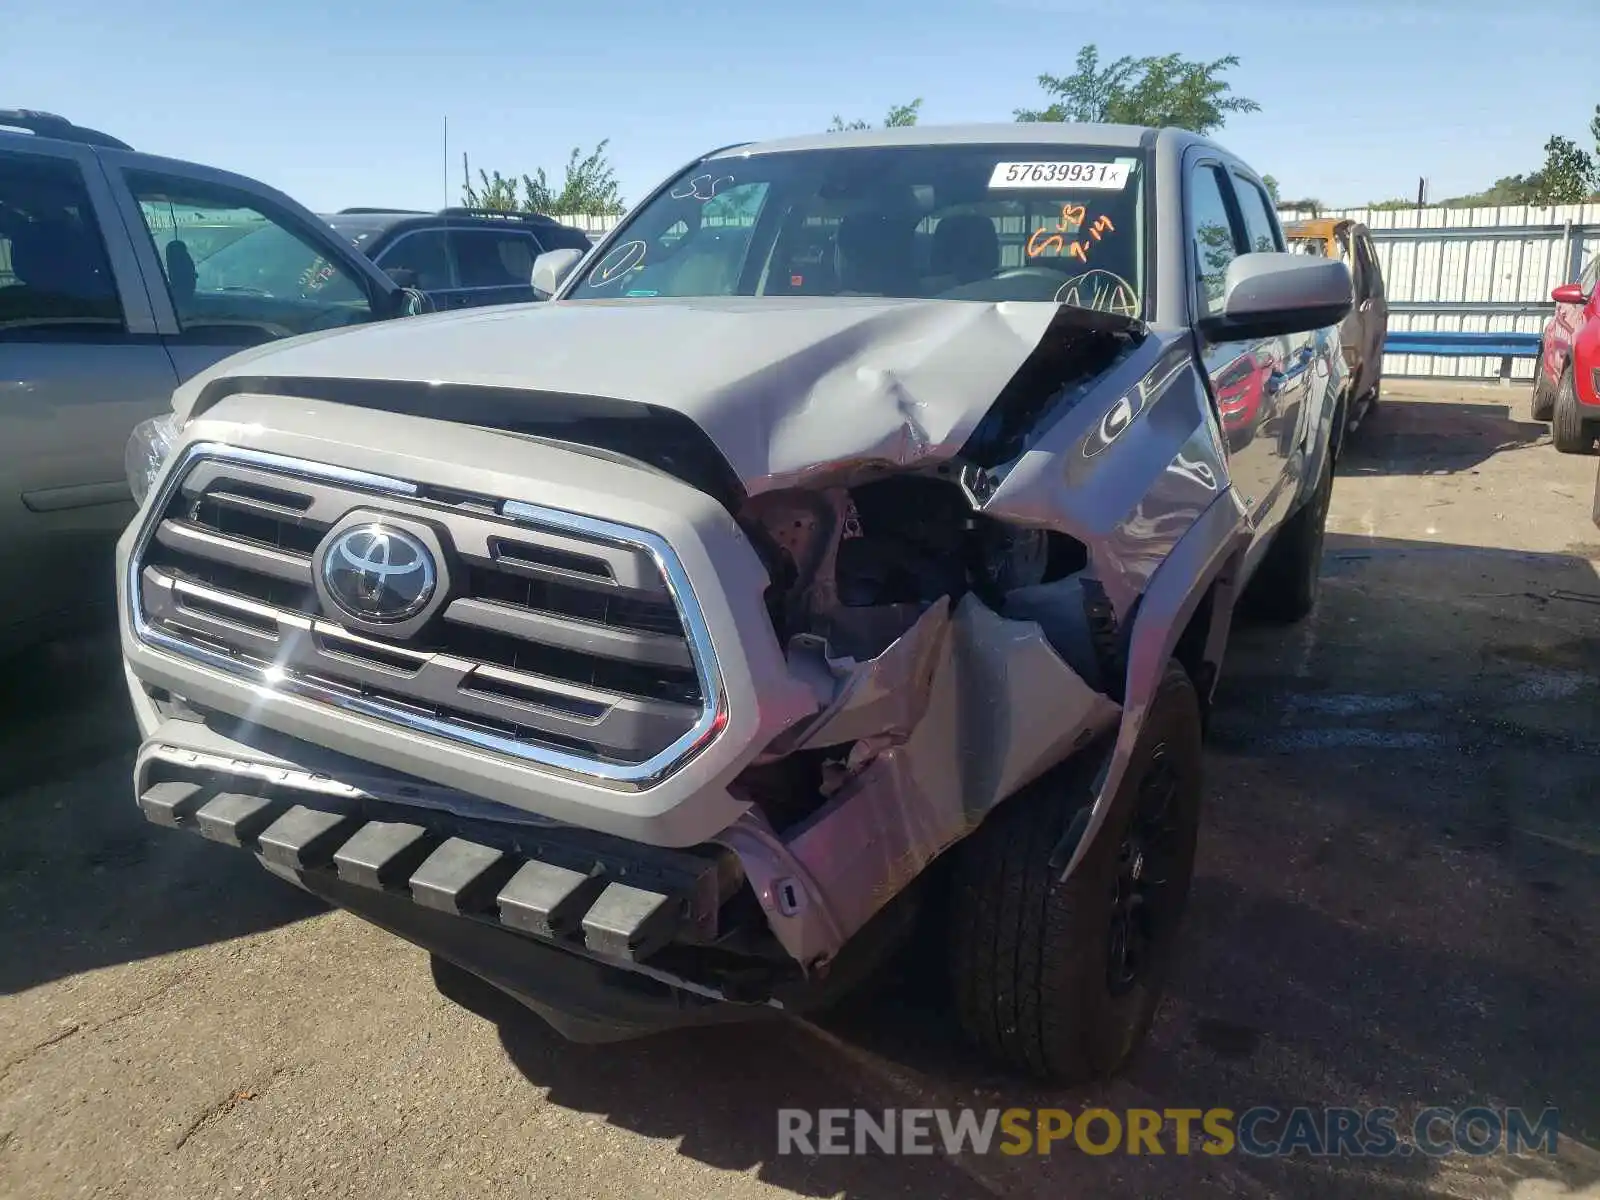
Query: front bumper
[[611, 898], [564, 920]]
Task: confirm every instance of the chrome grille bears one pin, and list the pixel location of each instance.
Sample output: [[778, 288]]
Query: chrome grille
[[562, 639]]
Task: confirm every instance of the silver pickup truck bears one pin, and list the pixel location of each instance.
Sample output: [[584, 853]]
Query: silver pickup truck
[[851, 543]]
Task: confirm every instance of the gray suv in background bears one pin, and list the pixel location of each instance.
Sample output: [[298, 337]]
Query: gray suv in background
[[121, 276]]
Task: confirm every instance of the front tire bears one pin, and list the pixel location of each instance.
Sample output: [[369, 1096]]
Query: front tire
[[1061, 980], [1568, 430]]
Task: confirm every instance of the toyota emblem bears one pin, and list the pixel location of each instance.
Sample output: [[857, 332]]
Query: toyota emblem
[[376, 572]]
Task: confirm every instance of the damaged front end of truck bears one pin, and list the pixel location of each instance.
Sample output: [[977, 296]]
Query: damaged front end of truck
[[712, 668]]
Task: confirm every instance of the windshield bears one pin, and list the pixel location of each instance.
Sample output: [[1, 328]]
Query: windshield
[[960, 222]]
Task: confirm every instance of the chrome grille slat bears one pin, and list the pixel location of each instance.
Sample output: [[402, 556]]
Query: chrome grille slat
[[483, 542], [480, 539], [579, 658], [253, 504], [324, 503], [203, 543], [606, 641], [437, 682]]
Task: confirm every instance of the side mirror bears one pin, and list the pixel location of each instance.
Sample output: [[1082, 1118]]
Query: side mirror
[[404, 302], [551, 269], [406, 277], [1271, 294], [1569, 293]]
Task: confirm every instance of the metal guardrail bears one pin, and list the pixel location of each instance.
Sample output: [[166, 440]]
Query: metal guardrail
[[1458, 344], [1506, 345]]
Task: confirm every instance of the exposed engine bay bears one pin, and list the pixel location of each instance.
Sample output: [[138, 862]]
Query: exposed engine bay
[[857, 566], [855, 571]]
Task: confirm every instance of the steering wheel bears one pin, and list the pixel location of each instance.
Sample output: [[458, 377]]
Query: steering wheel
[[1101, 290]]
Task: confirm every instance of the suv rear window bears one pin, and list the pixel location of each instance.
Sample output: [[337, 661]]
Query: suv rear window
[[493, 258]]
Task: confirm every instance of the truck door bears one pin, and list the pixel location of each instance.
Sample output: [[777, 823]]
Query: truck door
[[1248, 378], [80, 366], [1299, 350], [1372, 308]]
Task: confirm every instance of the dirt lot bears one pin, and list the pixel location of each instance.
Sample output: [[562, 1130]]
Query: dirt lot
[[1398, 903]]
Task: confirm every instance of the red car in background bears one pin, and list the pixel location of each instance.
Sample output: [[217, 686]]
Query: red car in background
[[1566, 380], [1241, 386]]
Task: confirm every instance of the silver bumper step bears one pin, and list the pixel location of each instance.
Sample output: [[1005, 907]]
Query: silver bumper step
[[612, 899]]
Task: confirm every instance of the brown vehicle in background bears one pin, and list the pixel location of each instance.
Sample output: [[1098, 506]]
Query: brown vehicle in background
[[1364, 330]]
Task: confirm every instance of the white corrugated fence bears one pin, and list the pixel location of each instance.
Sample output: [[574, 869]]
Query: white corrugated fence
[[1474, 269]]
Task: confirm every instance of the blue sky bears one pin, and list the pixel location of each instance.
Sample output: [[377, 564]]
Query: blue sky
[[344, 103]]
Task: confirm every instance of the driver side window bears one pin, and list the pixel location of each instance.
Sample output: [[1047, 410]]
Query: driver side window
[[1213, 240], [238, 273]]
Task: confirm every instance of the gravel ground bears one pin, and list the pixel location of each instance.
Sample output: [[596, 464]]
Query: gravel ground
[[1397, 903]]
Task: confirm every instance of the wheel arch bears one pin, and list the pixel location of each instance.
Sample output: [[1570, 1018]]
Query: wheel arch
[[1203, 640], [1185, 612]]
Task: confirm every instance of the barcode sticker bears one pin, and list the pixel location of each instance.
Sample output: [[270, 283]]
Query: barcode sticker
[[1111, 177]]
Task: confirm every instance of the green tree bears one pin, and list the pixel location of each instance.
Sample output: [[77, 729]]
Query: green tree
[[1154, 90], [589, 188], [1508, 189], [1272, 189], [1594, 128], [899, 115], [906, 114], [1567, 176], [496, 192]]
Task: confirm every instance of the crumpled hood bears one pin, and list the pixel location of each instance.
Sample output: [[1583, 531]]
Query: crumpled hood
[[783, 387]]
